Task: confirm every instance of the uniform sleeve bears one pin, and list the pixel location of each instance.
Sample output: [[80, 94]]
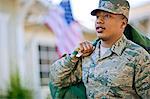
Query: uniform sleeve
[[142, 78], [64, 72]]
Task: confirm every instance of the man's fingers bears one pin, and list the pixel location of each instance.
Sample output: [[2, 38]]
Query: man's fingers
[[89, 46], [85, 47], [81, 46]]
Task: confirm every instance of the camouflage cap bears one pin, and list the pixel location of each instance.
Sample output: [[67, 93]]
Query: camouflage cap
[[113, 6]]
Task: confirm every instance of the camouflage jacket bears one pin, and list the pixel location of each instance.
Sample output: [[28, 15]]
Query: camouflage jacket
[[122, 72]]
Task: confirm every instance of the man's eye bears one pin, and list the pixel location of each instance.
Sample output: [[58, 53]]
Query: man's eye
[[107, 16], [97, 17]]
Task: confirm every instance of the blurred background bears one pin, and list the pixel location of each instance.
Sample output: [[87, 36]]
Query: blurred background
[[35, 33]]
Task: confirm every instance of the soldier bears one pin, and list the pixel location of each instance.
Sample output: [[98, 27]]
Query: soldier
[[112, 66]]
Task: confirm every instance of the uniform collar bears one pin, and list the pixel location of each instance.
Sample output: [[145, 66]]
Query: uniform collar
[[116, 48], [119, 46]]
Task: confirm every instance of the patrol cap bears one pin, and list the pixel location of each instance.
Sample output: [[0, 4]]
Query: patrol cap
[[113, 6]]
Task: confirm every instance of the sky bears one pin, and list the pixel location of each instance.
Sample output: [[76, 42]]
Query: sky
[[81, 10]]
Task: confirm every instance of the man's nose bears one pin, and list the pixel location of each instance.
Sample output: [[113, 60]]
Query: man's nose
[[100, 20]]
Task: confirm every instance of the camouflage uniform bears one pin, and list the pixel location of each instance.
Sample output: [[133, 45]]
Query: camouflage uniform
[[122, 72]]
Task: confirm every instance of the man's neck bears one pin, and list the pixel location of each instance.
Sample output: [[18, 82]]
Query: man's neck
[[109, 43]]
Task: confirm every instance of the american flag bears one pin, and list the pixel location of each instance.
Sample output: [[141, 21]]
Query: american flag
[[67, 30]]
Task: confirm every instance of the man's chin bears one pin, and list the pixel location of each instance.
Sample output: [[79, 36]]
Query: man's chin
[[99, 35], [102, 37]]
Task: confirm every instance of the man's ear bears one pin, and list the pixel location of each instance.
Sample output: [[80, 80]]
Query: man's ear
[[124, 23]]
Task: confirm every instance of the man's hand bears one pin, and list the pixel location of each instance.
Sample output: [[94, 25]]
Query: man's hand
[[86, 48]]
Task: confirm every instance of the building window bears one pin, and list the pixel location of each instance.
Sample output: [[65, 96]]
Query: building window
[[47, 55]]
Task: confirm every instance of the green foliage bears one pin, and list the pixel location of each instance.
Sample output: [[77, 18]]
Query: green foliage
[[16, 91]]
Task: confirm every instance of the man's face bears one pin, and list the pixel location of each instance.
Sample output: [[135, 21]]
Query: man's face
[[108, 26]]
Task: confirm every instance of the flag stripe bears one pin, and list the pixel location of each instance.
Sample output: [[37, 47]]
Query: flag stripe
[[66, 29]]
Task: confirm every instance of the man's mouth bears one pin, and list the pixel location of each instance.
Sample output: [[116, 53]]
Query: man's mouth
[[100, 29]]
